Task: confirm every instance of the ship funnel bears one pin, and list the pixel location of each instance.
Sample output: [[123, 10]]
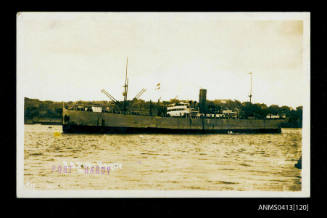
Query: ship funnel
[[203, 100]]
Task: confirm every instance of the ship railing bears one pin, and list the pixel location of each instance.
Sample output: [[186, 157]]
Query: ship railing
[[145, 114]]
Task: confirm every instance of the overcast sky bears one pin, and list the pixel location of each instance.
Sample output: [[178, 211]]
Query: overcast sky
[[72, 56]]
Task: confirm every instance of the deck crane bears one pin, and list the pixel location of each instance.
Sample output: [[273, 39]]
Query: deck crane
[[111, 97], [137, 97], [139, 94]]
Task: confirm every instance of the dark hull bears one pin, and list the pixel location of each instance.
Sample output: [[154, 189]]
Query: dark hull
[[133, 130], [91, 122]]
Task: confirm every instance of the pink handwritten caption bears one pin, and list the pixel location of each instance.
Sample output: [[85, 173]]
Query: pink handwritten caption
[[87, 168], [61, 169]]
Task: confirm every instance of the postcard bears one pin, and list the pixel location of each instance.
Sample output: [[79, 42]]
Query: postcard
[[163, 104]]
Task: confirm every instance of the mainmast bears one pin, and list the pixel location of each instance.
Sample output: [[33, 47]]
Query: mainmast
[[125, 88], [123, 107], [250, 95], [126, 84]]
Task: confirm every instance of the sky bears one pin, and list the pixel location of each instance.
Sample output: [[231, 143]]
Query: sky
[[72, 56]]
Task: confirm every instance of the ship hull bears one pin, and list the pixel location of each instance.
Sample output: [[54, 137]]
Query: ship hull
[[132, 130], [91, 122]]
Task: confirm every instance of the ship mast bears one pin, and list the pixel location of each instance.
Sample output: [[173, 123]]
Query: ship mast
[[250, 95], [125, 88]]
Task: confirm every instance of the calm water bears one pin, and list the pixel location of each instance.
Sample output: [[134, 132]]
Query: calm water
[[242, 162]]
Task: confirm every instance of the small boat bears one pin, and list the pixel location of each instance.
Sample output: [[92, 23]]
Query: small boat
[[299, 163]]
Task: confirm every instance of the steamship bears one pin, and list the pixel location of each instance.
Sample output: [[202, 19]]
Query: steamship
[[179, 118]]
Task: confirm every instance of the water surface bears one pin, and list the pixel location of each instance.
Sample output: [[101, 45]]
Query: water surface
[[244, 162]]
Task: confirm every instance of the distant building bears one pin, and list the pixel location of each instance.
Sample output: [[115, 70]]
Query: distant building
[[272, 116], [230, 113], [219, 115], [97, 109], [224, 101]]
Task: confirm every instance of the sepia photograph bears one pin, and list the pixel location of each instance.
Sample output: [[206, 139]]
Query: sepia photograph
[[163, 104]]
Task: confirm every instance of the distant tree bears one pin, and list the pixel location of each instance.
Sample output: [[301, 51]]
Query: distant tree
[[174, 101], [273, 109], [59, 111], [31, 112], [213, 108]]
